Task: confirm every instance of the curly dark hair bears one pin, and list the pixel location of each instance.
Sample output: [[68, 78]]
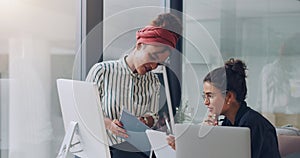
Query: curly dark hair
[[230, 77]]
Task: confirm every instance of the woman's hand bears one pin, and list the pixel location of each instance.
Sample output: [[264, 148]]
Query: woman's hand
[[147, 120], [116, 127], [171, 141], [211, 120]]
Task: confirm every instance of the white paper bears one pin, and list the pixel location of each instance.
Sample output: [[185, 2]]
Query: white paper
[[159, 144]]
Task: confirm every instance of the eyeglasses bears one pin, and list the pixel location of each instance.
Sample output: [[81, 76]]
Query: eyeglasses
[[210, 96], [156, 59], [165, 63]]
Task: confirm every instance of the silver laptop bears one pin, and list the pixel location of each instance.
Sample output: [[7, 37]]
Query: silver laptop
[[199, 141]]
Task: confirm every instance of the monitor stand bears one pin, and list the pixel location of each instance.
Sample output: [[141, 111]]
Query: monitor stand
[[67, 145]]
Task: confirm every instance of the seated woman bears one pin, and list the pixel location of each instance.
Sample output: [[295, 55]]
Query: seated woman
[[224, 93]]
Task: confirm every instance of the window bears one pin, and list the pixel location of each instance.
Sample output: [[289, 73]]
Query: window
[[264, 35]]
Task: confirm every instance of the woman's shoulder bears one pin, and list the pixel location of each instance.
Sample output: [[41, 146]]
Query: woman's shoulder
[[254, 118], [107, 66], [100, 68]]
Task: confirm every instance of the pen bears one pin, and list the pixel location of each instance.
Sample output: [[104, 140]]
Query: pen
[[169, 131]]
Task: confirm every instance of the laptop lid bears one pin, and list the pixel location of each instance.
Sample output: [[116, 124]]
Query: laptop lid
[[194, 141]]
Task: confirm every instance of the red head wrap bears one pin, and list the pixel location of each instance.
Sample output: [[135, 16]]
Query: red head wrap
[[151, 34]]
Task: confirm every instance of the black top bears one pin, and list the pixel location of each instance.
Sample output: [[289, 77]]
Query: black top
[[264, 142]]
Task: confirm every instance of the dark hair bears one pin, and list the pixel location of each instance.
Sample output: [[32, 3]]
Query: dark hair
[[230, 77], [169, 22]]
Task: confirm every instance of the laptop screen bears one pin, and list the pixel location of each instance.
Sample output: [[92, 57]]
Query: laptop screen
[[194, 141]]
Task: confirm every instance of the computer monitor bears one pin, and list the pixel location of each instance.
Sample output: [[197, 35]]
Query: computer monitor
[[83, 120], [195, 141]]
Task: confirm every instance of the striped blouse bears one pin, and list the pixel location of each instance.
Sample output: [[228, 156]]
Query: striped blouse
[[119, 87]]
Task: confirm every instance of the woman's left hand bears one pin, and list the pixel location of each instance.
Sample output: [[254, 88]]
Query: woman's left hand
[[211, 120], [147, 120]]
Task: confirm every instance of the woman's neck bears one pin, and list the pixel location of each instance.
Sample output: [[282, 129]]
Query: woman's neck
[[129, 62], [232, 112]]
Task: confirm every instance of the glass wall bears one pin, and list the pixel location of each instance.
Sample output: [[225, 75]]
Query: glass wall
[[37, 46], [265, 34], [122, 20]]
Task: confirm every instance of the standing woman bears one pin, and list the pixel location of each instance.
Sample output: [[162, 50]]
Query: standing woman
[[224, 93], [129, 83]]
